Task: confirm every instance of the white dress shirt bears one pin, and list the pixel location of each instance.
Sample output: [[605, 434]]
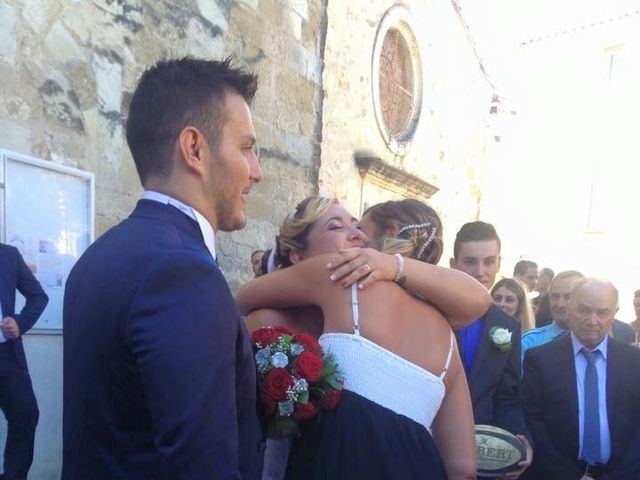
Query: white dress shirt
[[601, 367], [205, 227]]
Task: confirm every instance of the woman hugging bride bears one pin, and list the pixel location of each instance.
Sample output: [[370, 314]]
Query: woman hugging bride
[[386, 318]]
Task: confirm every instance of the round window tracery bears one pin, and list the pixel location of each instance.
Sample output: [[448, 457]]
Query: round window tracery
[[397, 80]]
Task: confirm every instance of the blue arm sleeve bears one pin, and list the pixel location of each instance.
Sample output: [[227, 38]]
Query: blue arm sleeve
[[183, 329]]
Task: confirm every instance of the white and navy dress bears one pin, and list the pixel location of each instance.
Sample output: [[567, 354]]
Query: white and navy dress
[[381, 427]]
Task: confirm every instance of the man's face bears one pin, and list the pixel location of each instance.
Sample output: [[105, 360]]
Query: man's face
[[479, 259], [233, 166], [591, 312], [529, 278], [559, 297]]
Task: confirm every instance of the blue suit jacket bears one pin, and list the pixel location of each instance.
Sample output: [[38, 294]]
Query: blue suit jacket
[[495, 377], [14, 274], [159, 376], [550, 399]]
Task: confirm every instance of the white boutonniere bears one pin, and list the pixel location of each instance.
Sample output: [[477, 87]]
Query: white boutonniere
[[501, 338]]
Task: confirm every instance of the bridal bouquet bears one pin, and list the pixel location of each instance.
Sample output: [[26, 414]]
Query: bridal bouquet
[[296, 378]]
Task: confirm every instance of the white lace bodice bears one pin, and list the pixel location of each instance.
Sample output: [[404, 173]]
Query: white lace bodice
[[384, 377]]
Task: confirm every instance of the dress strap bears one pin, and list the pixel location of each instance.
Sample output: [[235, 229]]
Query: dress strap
[[354, 309], [446, 364]]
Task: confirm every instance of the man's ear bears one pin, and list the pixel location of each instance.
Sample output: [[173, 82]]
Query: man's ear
[[452, 263], [295, 256], [192, 146]]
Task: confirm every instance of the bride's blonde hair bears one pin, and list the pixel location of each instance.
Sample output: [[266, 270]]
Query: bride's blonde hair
[[296, 226]]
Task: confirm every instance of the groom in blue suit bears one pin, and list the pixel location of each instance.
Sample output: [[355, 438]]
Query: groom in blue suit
[[493, 370], [159, 377], [17, 401]]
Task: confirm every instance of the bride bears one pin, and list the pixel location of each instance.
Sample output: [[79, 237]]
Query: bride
[[403, 377]]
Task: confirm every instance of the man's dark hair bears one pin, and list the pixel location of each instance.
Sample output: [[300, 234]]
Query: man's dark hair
[[174, 94], [522, 266], [474, 232]]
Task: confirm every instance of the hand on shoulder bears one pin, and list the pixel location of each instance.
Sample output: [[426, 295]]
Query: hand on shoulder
[[364, 265]]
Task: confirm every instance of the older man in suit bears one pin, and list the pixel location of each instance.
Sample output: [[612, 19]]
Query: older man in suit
[[581, 394], [17, 401], [159, 376], [493, 368]]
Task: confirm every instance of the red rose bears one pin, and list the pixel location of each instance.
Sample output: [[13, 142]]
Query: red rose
[[304, 411], [267, 335], [269, 404], [309, 342], [309, 366], [330, 399], [276, 382]]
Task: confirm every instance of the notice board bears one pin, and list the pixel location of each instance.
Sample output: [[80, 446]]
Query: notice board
[[46, 212]]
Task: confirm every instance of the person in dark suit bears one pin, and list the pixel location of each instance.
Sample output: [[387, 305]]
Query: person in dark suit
[[17, 400], [581, 394], [490, 346], [623, 331], [159, 376]]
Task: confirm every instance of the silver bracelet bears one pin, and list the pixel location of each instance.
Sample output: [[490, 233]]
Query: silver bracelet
[[400, 259]]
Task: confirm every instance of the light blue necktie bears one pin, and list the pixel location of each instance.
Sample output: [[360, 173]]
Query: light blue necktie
[[591, 433]]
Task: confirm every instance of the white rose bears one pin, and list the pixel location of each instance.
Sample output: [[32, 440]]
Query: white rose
[[501, 336]]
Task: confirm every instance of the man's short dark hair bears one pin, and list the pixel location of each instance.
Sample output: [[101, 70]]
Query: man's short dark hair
[[174, 94], [474, 232], [522, 266]]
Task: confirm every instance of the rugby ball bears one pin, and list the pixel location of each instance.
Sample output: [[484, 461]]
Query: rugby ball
[[499, 451]]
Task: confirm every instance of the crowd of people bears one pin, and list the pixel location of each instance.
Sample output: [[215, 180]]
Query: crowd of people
[[160, 378]]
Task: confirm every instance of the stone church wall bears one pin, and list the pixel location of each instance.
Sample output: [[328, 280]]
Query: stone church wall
[[69, 69], [447, 150]]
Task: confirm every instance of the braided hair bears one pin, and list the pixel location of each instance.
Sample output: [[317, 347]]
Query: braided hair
[[419, 229]]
